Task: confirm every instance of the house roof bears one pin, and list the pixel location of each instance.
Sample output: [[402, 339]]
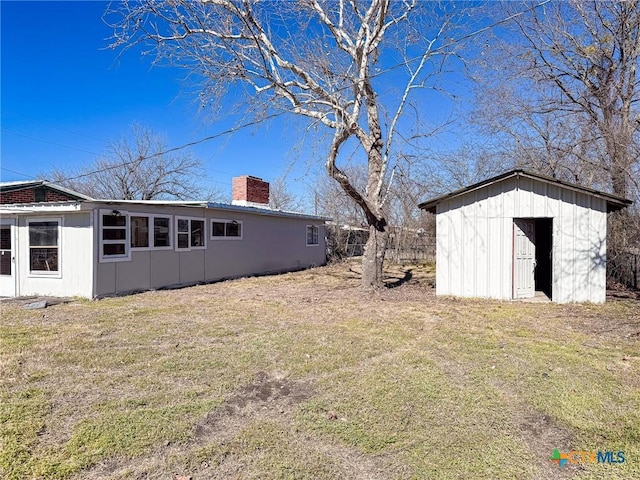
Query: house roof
[[614, 202], [214, 206], [73, 205], [76, 206], [6, 187]]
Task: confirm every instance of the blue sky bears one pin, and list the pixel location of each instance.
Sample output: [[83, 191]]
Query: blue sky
[[64, 94]]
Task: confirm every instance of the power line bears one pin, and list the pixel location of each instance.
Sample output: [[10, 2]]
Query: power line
[[48, 125], [291, 110], [181, 147], [29, 177], [48, 141]]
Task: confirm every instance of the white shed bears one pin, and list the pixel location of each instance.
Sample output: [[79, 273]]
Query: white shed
[[519, 233]]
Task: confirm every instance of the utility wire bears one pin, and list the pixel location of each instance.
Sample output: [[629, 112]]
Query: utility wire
[[47, 141], [287, 111], [181, 147], [48, 125], [29, 177]]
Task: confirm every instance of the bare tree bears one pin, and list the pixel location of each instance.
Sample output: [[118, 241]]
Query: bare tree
[[281, 197], [323, 60], [137, 169], [566, 90]]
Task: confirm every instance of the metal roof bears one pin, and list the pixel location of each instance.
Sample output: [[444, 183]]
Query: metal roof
[[214, 206], [614, 202], [75, 206]]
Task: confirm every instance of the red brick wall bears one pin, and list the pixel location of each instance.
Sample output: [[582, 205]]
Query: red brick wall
[[28, 195], [251, 189], [54, 196]]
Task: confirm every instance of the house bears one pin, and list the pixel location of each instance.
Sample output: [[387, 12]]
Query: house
[[61, 243], [519, 233]]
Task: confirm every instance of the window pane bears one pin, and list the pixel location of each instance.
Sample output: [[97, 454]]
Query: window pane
[[183, 240], [233, 229], [312, 235], [44, 260], [114, 221], [43, 234], [161, 232], [5, 238], [5, 263], [217, 229], [39, 194], [114, 234], [113, 249], [139, 232], [197, 233], [183, 226]]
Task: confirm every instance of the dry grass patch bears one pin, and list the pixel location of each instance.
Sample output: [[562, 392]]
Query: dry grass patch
[[305, 375]]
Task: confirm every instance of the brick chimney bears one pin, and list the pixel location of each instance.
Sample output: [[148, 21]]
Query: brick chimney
[[250, 191]]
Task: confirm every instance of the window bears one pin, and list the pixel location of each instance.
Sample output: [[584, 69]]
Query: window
[[312, 235], [189, 233], [221, 229], [183, 233], [114, 238], [197, 233], [39, 194], [139, 232], [143, 237], [44, 250], [161, 232], [5, 250]]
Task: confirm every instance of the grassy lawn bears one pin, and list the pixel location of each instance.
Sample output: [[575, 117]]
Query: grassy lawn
[[305, 375]]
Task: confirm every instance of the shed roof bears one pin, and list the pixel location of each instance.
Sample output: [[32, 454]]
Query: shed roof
[[614, 202]]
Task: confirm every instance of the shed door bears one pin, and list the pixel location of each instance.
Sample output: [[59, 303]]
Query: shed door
[[7, 259], [524, 258]]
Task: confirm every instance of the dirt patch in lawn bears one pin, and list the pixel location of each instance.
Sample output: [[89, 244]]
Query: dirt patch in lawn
[[266, 395]]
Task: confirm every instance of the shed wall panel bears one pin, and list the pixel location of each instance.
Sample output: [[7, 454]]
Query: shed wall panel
[[443, 250], [475, 240]]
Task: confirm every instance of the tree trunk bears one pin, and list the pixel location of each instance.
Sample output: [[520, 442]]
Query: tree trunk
[[373, 257]]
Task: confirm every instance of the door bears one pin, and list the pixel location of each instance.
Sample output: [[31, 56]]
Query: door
[[7, 259], [524, 258]]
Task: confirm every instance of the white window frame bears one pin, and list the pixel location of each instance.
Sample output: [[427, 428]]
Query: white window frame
[[306, 235], [152, 235], [176, 233], [44, 273], [149, 231], [127, 241], [225, 221]]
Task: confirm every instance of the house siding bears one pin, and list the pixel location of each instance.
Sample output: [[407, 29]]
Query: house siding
[[269, 243], [75, 258]]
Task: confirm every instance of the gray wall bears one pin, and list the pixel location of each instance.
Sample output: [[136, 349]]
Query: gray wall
[[269, 244]]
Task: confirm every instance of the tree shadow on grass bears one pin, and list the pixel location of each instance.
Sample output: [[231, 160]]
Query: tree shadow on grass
[[394, 281]]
